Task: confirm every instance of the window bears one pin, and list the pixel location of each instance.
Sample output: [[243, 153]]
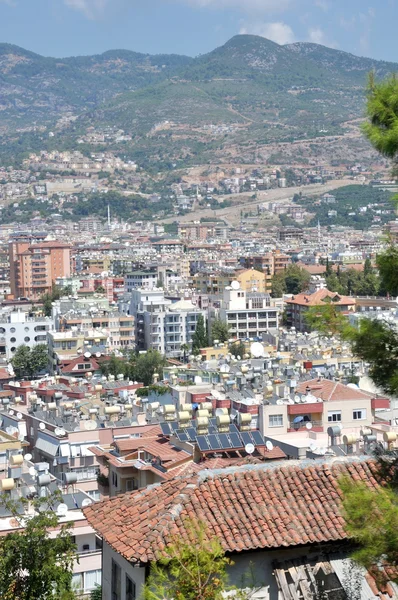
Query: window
[[130, 589], [77, 581], [131, 484], [27, 339], [91, 579], [13, 339], [334, 416], [359, 414], [116, 582], [276, 420]]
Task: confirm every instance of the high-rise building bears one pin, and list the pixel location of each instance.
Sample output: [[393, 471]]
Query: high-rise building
[[34, 268]]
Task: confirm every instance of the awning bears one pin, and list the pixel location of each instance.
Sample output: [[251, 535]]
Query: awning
[[65, 450], [47, 444], [298, 419]]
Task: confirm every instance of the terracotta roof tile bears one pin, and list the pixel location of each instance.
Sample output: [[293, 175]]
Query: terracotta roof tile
[[330, 390], [250, 507]]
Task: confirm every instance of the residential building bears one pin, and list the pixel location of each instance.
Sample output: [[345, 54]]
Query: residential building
[[162, 324], [248, 315], [213, 283], [290, 500], [34, 268], [287, 234], [297, 306], [17, 328]]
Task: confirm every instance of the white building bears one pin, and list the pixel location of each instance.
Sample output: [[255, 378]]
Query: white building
[[161, 324], [17, 328], [248, 315]]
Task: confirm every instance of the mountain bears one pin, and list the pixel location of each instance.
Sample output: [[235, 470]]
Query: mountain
[[33, 87], [249, 93]]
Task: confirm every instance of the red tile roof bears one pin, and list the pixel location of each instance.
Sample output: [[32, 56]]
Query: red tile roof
[[247, 508], [318, 299], [331, 391]]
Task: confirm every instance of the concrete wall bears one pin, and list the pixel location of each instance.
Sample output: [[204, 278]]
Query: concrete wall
[[136, 574]]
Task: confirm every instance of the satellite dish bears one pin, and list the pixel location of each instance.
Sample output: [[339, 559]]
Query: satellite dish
[[257, 350], [87, 355], [249, 448], [32, 471], [11, 412], [308, 426], [98, 354], [62, 510], [11, 430], [19, 415], [269, 445], [42, 426], [279, 402], [235, 285], [59, 432], [28, 457], [198, 379], [297, 399], [90, 425], [86, 502], [312, 447], [225, 369]]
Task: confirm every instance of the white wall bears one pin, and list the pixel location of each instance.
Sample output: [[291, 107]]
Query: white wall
[[136, 574]]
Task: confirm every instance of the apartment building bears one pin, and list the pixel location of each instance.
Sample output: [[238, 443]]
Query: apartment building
[[213, 283], [162, 324], [202, 231], [17, 328], [120, 327], [34, 268], [269, 263], [248, 315], [297, 306]]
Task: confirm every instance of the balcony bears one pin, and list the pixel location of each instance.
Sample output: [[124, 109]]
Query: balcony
[[317, 426]]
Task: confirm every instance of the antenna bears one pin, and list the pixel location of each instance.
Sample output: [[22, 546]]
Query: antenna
[[62, 510], [269, 445], [249, 448], [257, 350]]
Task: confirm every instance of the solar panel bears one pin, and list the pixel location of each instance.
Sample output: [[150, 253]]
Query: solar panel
[[213, 422], [182, 436], [191, 433], [258, 438], [246, 437], [233, 428], [235, 440], [213, 429], [214, 442], [165, 427], [203, 443], [174, 425], [225, 441]]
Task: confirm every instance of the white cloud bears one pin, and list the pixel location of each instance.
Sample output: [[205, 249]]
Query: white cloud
[[248, 6], [92, 9], [278, 32], [322, 4], [316, 35]]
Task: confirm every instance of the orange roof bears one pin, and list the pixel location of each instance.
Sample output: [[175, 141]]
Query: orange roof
[[318, 298], [331, 391], [246, 508]]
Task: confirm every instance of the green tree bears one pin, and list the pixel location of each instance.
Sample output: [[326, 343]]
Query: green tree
[[371, 517], [199, 338], [190, 570], [144, 366], [238, 349], [292, 280], [387, 263], [326, 319], [219, 331], [28, 362], [367, 267], [34, 566], [96, 593], [184, 349]]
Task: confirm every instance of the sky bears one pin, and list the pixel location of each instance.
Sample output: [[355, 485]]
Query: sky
[[74, 27]]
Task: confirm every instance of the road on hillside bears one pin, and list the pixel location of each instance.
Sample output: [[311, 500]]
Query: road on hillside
[[231, 215]]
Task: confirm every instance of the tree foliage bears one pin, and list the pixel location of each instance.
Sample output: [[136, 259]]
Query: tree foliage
[[34, 566], [190, 570], [199, 338], [326, 319], [387, 263], [139, 367], [219, 331], [29, 362], [292, 280], [376, 342], [371, 517]]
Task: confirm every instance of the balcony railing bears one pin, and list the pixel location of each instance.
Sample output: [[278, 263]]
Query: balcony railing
[[302, 425]]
